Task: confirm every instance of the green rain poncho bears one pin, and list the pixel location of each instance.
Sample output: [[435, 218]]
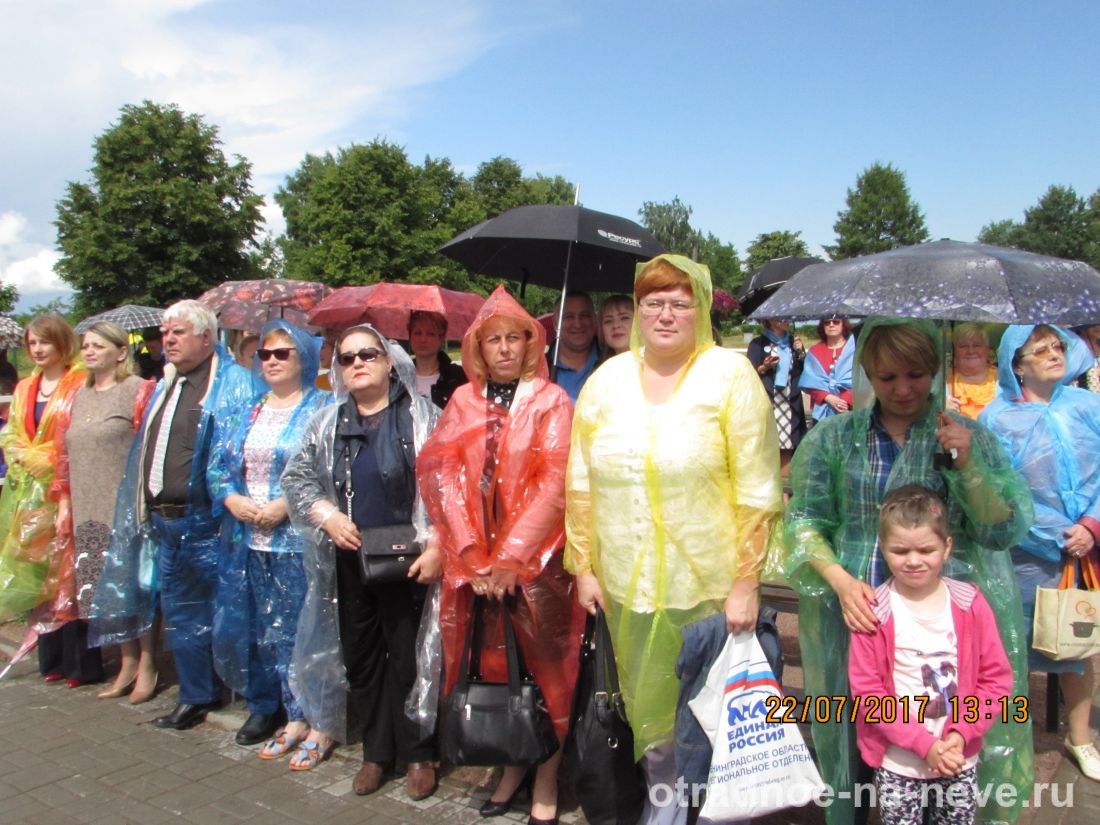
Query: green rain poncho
[[667, 504], [833, 517]]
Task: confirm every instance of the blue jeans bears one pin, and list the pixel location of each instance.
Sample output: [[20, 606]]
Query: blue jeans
[[187, 557], [276, 587]]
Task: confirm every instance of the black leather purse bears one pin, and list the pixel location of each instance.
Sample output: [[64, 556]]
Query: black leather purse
[[494, 723], [608, 782], [385, 553]]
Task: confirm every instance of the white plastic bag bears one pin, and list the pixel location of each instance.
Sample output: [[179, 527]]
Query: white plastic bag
[[758, 766]]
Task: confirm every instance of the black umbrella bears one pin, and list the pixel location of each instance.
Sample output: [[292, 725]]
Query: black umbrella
[[763, 281], [945, 280], [556, 246]]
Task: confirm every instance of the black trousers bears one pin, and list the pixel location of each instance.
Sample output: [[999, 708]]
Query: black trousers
[[378, 626], [66, 651]]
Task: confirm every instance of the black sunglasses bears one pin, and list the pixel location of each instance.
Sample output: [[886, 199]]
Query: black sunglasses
[[346, 359], [279, 353]]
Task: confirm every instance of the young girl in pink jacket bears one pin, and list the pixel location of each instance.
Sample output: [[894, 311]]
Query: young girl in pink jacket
[[932, 678]]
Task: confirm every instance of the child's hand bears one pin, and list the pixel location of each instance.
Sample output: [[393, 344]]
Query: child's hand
[[945, 757]]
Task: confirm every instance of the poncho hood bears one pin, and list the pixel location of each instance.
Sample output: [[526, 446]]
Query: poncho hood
[[501, 304], [1078, 358], [861, 382], [309, 354], [402, 373], [701, 288]]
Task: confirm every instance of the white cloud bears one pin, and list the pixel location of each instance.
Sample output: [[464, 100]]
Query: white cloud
[[278, 82], [27, 266]]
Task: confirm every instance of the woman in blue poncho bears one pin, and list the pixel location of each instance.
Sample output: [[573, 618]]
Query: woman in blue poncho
[[261, 580], [1051, 430]]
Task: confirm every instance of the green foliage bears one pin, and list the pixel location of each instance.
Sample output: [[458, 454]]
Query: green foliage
[[8, 296], [778, 244], [368, 214], [59, 305], [670, 223], [1061, 224], [165, 217], [880, 215]]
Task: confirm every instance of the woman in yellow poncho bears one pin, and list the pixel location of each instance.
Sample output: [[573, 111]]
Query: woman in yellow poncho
[[36, 562], [672, 489]]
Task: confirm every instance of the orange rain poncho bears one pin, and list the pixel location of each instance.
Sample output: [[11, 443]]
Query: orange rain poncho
[[525, 514], [670, 503], [36, 564]]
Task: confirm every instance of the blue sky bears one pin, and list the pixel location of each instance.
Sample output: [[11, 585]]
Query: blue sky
[[757, 113]]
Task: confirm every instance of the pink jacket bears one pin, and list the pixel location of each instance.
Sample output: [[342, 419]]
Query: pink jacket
[[984, 673]]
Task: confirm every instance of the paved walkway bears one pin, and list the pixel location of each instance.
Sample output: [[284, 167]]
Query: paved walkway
[[70, 758]]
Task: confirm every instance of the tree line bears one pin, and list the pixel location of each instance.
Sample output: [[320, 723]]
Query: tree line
[[166, 215]]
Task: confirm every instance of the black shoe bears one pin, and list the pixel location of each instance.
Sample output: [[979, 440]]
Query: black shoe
[[258, 728], [491, 808], [184, 716]]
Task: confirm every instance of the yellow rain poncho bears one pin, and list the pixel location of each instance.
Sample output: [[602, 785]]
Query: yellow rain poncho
[[833, 517], [668, 504]]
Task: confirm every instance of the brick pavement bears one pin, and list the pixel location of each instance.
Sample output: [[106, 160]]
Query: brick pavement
[[70, 758]]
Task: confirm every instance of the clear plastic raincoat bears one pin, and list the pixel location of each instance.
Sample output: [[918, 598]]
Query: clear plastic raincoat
[[518, 524], [36, 562], [1055, 446], [125, 597], [240, 621], [833, 517], [317, 676], [668, 504]]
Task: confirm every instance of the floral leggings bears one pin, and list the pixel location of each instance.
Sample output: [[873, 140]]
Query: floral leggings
[[950, 800]]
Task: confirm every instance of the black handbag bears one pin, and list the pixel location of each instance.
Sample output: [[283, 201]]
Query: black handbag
[[609, 784], [385, 553], [493, 723]]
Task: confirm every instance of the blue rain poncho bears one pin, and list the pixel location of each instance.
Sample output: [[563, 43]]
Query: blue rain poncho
[[125, 598], [1056, 446], [237, 616], [833, 517], [317, 677]]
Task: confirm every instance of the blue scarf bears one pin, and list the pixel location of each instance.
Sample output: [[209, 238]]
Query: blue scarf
[[785, 353]]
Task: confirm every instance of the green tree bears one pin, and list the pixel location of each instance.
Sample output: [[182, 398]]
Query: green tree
[[723, 261], [778, 244], [1000, 233], [8, 296], [670, 223], [59, 305], [1060, 224], [166, 215], [880, 215]]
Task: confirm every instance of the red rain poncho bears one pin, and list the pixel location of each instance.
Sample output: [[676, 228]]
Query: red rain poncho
[[526, 529]]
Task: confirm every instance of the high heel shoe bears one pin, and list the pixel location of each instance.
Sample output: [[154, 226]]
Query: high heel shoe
[[116, 690], [144, 689], [491, 808]]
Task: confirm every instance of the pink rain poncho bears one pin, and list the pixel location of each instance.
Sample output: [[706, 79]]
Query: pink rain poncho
[[518, 524]]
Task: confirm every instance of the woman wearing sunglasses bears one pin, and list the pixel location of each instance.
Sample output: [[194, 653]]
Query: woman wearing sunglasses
[[261, 579], [354, 473], [1051, 430]]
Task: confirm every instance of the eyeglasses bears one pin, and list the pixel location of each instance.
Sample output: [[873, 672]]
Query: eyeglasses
[[367, 355], [279, 353], [1045, 350], [829, 321], [651, 307]]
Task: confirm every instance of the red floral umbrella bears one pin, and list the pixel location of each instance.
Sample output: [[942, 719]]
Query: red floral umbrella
[[249, 305], [387, 306]]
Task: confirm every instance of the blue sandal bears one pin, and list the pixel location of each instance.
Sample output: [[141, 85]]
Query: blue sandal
[[310, 755]]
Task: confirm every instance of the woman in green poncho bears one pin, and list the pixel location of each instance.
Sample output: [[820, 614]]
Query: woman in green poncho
[[840, 474]]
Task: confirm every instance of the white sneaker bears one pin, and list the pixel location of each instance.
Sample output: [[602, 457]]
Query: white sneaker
[[1087, 759]]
